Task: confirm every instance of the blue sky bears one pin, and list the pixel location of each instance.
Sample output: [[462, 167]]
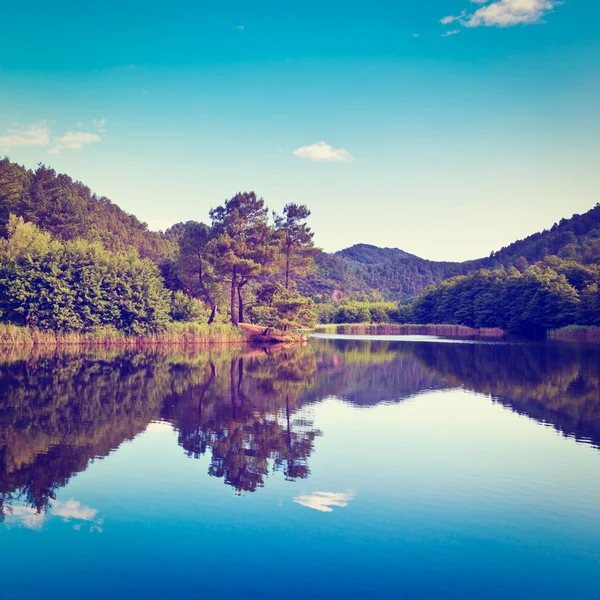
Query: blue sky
[[392, 131]]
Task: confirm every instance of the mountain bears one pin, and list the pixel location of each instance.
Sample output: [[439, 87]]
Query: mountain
[[68, 209], [398, 275]]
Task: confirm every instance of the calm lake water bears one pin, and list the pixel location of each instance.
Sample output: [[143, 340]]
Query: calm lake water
[[388, 467]]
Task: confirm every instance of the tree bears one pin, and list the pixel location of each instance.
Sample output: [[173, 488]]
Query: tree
[[297, 245], [196, 264], [244, 246], [286, 309]]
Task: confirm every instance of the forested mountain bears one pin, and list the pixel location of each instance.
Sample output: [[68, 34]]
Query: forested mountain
[[68, 209], [577, 238], [398, 275], [395, 274]]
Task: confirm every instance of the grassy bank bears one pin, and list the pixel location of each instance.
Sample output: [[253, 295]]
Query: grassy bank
[[409, 329], [177, 333], [576, 332]]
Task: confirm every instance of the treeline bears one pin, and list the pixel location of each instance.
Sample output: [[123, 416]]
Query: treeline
[[69, 210], [71, 261], [363, 311], [577, 238], [244, 260], [397, 275], [544, 296]]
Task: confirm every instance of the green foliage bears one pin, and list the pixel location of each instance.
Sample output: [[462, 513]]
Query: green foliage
[[77, 285], [526, 303], [286, 310], [192, 268], [68, 209], [355, 311], [74, 264], [186, 309], [244, 248], [296, 239]]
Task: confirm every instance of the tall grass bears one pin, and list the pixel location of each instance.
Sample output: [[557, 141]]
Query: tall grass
[[576, 332], [177, 333], [410, 329]]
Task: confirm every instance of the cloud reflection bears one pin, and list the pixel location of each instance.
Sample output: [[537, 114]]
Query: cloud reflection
[[71, 510], [24, 516], [325, 501]]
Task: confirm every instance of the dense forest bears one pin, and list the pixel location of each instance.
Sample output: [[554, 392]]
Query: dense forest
[[73, 261], [548, 295], [70, 261], [68, 210]]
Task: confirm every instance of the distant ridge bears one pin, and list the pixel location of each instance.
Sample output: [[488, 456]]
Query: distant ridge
[[399, 275]]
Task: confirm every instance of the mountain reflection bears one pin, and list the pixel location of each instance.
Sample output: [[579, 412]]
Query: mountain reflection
[[247, 410]]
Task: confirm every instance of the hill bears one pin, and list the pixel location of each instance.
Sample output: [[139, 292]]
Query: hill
[[68, 209], [398, 275]]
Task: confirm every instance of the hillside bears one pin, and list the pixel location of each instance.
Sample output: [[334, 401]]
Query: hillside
[[398, 275], [68, 209]]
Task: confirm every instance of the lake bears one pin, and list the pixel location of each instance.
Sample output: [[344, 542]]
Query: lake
[[353, 466]]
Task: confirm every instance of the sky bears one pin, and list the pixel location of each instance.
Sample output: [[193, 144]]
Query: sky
[[446, 128]]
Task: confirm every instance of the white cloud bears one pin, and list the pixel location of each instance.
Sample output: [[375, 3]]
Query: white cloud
[[322, 152], [239, 27], [415, 35], [74, 140], [97, 123], [450, 19], [505, 13], [34, 135], [72, 509], [325, 501], [451, 32]]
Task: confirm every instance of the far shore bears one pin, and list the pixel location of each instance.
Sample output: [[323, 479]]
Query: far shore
[[409, 329]]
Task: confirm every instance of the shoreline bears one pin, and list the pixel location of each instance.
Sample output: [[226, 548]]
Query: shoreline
[[220, 334], [409, 329], [575, 332]]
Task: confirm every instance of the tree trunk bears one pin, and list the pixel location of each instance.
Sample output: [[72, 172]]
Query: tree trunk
[[241, 284], [207, 296], [233, 290], [213, 314]]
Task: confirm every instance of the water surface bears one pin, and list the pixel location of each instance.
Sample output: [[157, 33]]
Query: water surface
[[393, 468]]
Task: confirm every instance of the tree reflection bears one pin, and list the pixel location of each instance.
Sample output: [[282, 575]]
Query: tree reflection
[[247, 411], [248, 418]]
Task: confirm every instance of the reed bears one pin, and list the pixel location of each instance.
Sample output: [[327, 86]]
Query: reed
[[176, 334], [576, 332], [411, 329]]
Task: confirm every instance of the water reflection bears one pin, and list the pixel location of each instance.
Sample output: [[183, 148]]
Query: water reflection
[[247, 411]]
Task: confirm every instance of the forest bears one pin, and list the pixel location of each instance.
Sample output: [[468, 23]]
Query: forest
[[71, 261]]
